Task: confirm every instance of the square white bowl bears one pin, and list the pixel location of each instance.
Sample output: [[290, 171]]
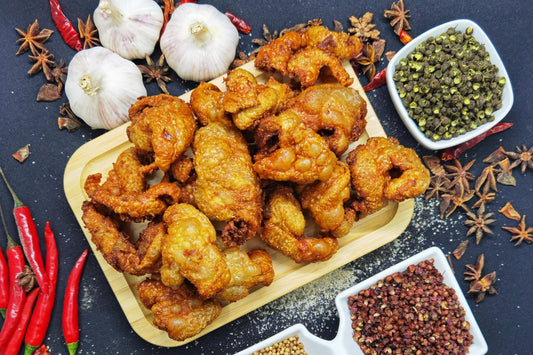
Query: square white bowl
[[481, 37]]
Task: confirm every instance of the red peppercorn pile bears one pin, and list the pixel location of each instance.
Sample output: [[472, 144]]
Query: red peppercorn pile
[[412, 312]]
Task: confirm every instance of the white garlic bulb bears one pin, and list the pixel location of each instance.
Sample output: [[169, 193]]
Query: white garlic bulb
[[199, 42], [101, 86], [130, 28]]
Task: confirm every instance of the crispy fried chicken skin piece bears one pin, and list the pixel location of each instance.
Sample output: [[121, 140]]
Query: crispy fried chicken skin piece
[[283, 229], [207, 103], [188, 248], [276, 54], [383, 170], [335, 112], [226, 187], [289, 151], [247, 270], [123, 255], [162, 124], [179, 311]]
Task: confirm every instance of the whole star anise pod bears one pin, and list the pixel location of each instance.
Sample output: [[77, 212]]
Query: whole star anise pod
[[44, 61], [398, 17], [460, 174], [371, 54], [88, 33], [33, 38], [364, 28], [523, 157], [156, 71], [521, 233], [479, 223], [27, 279]]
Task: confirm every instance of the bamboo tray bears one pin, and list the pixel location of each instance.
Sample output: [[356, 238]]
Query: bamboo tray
[[366, 235]]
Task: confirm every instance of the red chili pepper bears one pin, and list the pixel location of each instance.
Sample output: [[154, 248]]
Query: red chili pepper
[[71, 330], [13, 346], [45, 303], [28, 237], [42, 350], [378, 80], [4, 284], [65, 27], [186, 1], [17, 295], [455, 152], [405, 37], [239, 23]]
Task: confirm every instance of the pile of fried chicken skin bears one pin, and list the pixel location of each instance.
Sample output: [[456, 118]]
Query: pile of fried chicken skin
[[244, 163]]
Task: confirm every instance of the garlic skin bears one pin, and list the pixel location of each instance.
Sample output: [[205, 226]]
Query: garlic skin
[[101, 86], [130, 28], [199, 42]]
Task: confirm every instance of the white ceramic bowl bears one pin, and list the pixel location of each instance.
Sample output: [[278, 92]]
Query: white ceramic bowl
[[481, 37], [343, 344]]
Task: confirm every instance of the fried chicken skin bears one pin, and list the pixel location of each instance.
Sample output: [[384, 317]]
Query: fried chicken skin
[[207, 103], [226, 187], [325, 199], [335, 112], [284, 225], [247, 270], [162, 124], [179, 311], [341, 44], [276, 54], [188, 248], [289, 151], [383, 170]]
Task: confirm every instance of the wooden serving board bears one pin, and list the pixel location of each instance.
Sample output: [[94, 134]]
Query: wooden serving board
[[366, 235]]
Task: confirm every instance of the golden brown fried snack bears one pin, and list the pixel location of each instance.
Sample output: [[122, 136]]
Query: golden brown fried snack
[[341, 44], [226, 187], [383, 170], [179, 311], [247, 270], [117, 249], [335, 112], [162, 124], [188, 249], [276, 54], [325, 199], [289, 151], [207, 103], [283, 229]]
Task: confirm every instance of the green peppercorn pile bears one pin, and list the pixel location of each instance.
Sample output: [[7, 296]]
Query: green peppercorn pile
[[449, 85]]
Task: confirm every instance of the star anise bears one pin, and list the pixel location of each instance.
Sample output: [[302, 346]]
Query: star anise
[[484, 285], [506, 175], [474, 271], [371, 54], [33, 38], [509, 211], [156, 71], [88, 33], [27, 278], [496, 156], [521, 233], [398, 17], [364, 28], [460, 174], [59, 74], [450, 201], [44, 61], [523, 157], [460, 250], [487, 178], [68, 119], [484, 197], [479, 223], [433, 164], [438, 185]]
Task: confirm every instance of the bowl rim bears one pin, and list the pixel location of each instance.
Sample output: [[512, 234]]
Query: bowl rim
[[482, 37]]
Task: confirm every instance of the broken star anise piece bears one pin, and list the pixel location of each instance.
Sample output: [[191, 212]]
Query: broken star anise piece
[[521, 233], [450, 201], [473, 272], [68, 119], [156, 71], [509, 211], [398, 17], [484, 285], [364, 28], [487, 177], [27, 279], [33, 38], [44, 61], [479, 223], [506, 175], [48, 92], [460, 250], [22, 153], [460, 174], [88, 33], [523, 157], [59, 74]]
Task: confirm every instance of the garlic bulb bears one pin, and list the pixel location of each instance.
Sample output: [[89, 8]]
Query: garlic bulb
[[199, 42], [101, 86], [130, 28]]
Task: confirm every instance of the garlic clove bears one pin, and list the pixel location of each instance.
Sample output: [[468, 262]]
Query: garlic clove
[[130, 28], [199, 42], [101, 86]]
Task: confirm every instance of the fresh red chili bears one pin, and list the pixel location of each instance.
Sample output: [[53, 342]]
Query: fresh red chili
[[17, 295], [239, 23], [45, 303], [42, 350], [186, 1], [29, 238], [405, 37], [71, 330], [378, 80], [455, 152], [4, 284], [64, 26], [13, 346]]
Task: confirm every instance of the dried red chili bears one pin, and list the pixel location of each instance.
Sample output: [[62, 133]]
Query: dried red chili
[[71, 330], [239, 23], [13, 346], [64, 26], [29, 238], [378, 80], [43, 308], [405, 37], [455, 152], [4, 284]]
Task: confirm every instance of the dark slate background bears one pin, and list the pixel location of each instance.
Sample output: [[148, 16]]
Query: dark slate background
[[505, 319]]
